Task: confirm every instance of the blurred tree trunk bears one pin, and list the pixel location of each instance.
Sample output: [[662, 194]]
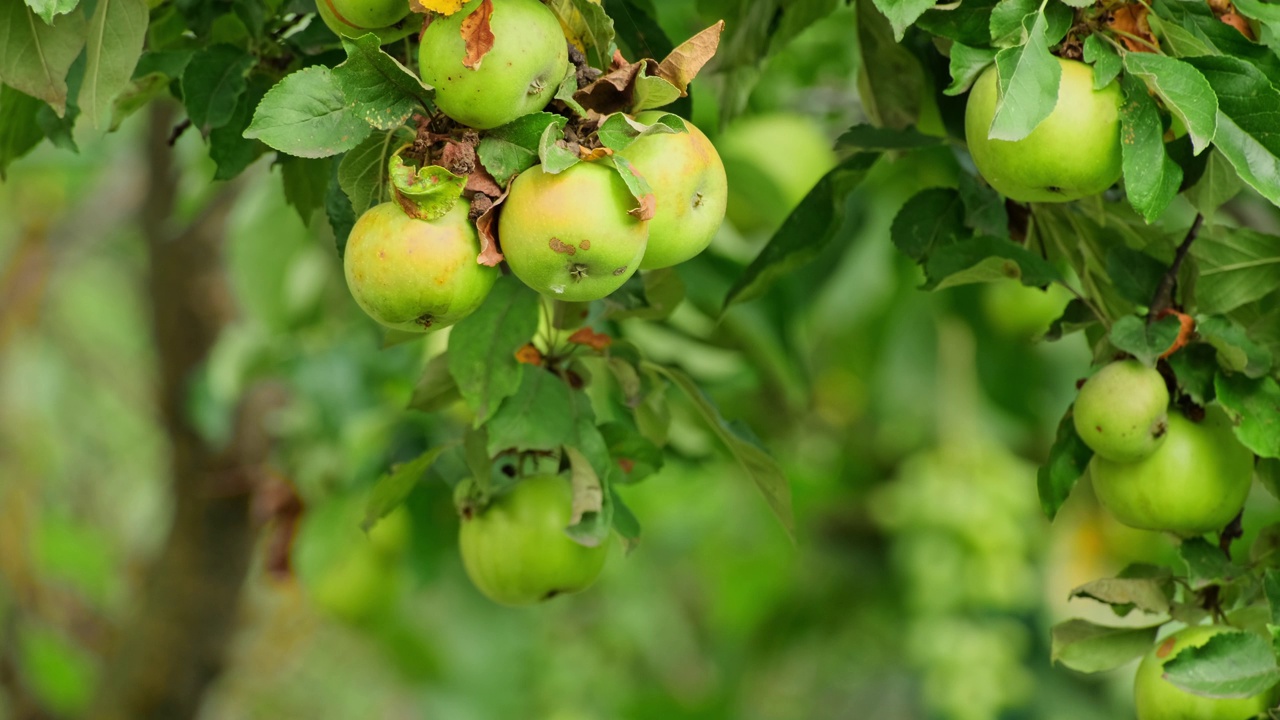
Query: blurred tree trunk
[[169, 651]]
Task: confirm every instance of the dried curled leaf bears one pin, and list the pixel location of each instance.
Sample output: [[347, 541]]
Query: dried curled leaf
[[612, 91], [593, 153], [485, 226], [683, 63], [478, 35], [592, 339], [1132, 20], [529, 355]]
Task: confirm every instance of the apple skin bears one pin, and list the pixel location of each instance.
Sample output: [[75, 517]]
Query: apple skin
[[690, 188], [1073, 153], [1023, 312], [772, 161], [1195, 482], [416, 275], [348, 20], [1122, 412], [1159, 699], [516, 551], [569, 235], [518, 76]]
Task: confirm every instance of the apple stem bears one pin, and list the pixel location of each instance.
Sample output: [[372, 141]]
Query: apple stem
[[1163, 298]]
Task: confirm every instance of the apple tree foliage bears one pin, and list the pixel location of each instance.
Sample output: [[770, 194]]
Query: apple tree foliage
[[1200, 125]]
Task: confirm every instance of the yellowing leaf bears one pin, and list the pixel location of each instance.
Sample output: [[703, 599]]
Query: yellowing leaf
[[444, 7], [683, 64]]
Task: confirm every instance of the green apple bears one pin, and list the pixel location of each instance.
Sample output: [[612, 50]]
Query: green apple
[[359, 587], [1195, 482], [389, 20], [519, 75], [1073, 153], [1159, 699], [569, 235], [1121, 413], [1020, 311], [690, 188], [772, 162], [516, 550], [416, 275]]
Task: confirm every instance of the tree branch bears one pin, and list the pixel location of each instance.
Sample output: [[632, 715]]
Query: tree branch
[[1162, 300], [172, 648]]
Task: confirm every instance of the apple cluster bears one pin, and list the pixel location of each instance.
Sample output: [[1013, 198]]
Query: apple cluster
[[576, 235]]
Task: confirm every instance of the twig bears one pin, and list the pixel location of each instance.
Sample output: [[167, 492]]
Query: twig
[[178, 130], [1163, 298]]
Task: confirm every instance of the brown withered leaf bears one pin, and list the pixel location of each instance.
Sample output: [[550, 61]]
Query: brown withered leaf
[[477, 34], [594, 153], [612, 92], [458, 158], [1235, 20], [480, 181], [489, 253], [529, 355], [592, 339], [682, 64], [1132, 19], [646, 209]]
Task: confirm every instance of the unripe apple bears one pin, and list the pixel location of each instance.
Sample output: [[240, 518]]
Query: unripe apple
[[1020, 311], [416, 275], [1159, 699], [518, 75], [353, 18], [772, 161], [569, 235], [690, 188], [1122, 411], [516, 550], [1073, 153], [1195, 482]]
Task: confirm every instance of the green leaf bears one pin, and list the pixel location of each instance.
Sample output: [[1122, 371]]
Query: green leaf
[[1248, 121], [1184, 90], [639, 32], [1148, 594], [967, 63], [652, 92], [967, 22], [213, 83], [985, 259], [592, 517], [436, 389], [624, 521], [116, 33], [1229, 665], [511, 149], [891, 81], [540, 415], [929, 220], [1271, 588], [617, 131], [482, 347], [306, 181], [394, 486], [1206, 564], [1236, 352], [306, 114], [1151, 177], [362, 172], [871, 138], [1134, 274], [1179, 41], [1253, 404], [1218, 184], [758, 464], [337, 208], [137, 94], [49, 9], [381, 90], [984, 208], [636, 455], [1267, 472], [903, 13], [1211, 36], [1008, 25], [1089, 648], [433, 189], [35, 56], [1237, 267], [587, 22], [811, 226], [647, 295], [1068, 459], [552, 152], [1195, 367], [19, 131], [1106, 63], [1028, 79], [228, 147], [1146, 342]]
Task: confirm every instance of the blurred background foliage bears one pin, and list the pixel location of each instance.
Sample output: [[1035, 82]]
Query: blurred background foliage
[[924, 577]]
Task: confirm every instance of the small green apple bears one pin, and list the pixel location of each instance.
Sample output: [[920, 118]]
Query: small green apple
[[519, 75], [1121, 413], [772, 162], [569, 235], [416, 275], [690, 188], [516, 550], [1195, 482], [1020, 311], [1159, 699], [388, 19], [1073, 153]]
